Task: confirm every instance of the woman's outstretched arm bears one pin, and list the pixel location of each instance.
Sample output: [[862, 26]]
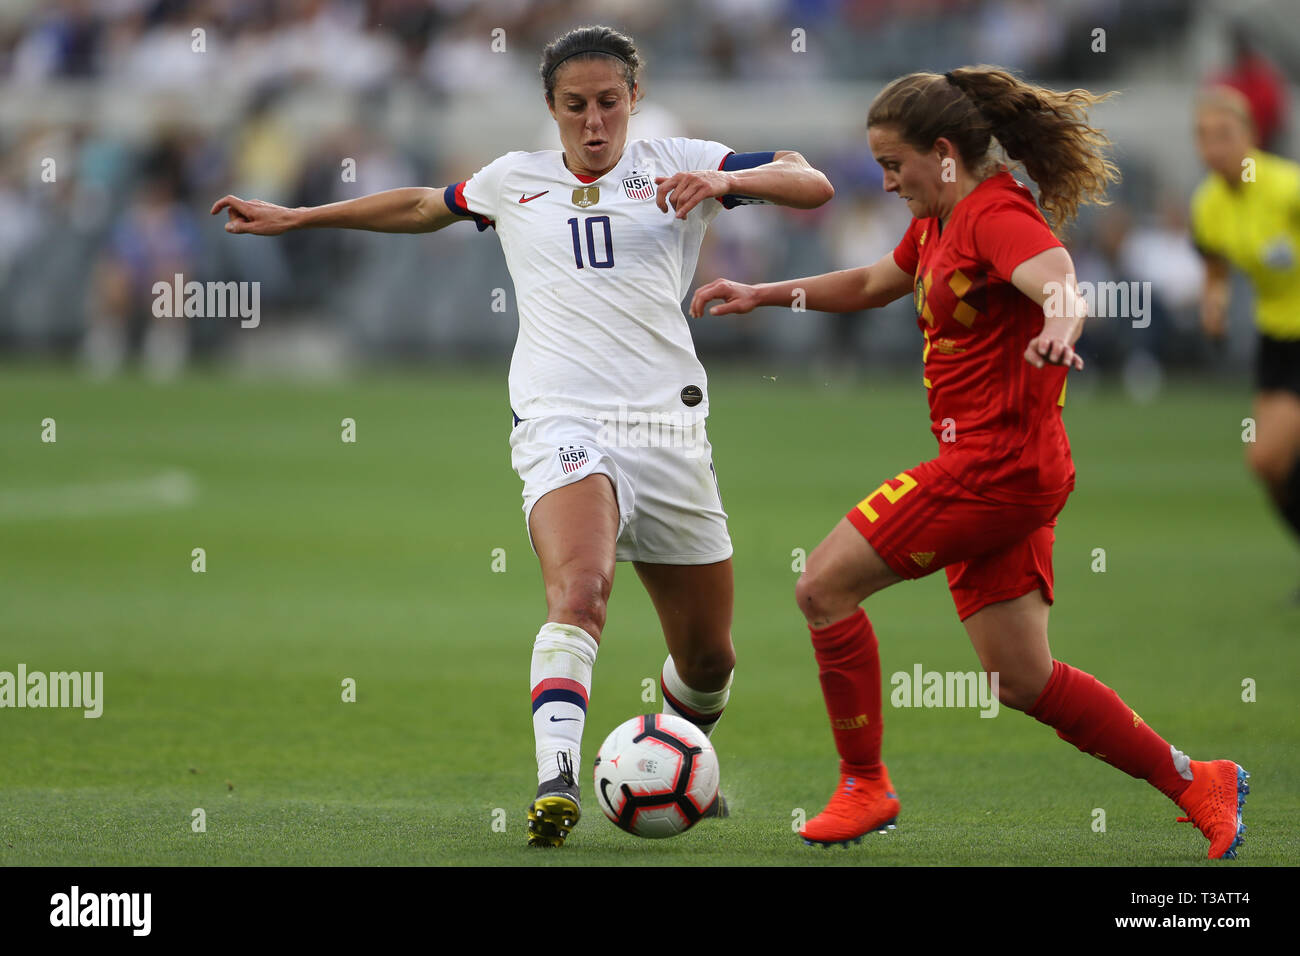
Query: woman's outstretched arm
[[411, 209]]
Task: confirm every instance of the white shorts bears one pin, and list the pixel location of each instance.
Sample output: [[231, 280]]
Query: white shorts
[[669, 506]]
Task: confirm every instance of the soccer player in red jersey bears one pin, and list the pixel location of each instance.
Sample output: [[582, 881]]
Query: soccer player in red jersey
[[999, 313]]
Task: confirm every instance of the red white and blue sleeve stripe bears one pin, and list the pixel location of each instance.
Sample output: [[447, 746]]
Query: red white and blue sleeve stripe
[[454, 197]]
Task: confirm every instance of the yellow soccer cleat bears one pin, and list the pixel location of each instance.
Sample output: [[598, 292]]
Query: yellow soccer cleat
[[555, 812]]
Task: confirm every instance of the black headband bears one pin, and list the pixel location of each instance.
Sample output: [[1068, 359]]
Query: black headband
[[580, 53]]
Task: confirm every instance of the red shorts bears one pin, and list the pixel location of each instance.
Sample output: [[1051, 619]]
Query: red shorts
[[924, 520]]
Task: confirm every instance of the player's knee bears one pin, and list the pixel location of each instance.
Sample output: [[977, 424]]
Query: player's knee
[[580, 598], [819, 599], [807, 594]]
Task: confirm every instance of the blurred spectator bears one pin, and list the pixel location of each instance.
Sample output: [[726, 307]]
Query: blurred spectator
[[61, 41], [1024, 33], [155, 239], [1263, 85], [1159, 251]]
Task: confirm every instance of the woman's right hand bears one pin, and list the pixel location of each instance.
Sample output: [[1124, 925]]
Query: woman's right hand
[[255, 216], [737, 298]]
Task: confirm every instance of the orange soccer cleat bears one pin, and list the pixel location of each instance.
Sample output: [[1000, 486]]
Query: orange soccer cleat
[[1213, 801], [859, 806]]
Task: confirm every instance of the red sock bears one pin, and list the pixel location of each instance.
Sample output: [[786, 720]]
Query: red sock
[[848, 661], [1087, 713]]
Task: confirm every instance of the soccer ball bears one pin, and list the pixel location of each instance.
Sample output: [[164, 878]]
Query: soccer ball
[[656, 775]]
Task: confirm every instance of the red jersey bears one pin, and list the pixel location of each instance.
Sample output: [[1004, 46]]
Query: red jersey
[[996, 417]]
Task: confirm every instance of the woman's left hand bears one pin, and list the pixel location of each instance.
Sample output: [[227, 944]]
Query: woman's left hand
[[1051, 350]]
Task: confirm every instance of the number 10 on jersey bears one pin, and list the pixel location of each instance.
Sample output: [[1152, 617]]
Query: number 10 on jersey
[[593, 260]]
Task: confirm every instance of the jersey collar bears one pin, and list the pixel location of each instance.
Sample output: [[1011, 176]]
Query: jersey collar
[[589, 180]]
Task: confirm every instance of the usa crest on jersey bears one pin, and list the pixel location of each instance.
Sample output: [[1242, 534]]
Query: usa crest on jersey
[[639, 186], [572, 458]]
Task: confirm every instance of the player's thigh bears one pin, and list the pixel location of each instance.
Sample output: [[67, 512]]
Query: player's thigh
[[1277, 434], [677, 518], [574, 529], [694, 603], [1010, 639], [1017, 565], [909, 526]]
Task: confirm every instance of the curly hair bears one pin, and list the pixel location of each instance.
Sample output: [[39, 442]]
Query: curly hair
[[1044, 130]]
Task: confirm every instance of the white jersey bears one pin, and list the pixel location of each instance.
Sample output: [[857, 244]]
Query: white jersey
[[599, 273]]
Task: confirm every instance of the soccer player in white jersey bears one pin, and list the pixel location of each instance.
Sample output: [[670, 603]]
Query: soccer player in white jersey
[[608, 398]]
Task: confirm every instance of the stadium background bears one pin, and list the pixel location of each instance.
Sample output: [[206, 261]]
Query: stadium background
[[374, 560]]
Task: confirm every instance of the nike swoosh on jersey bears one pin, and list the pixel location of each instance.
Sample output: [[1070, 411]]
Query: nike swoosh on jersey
[[523, 198]]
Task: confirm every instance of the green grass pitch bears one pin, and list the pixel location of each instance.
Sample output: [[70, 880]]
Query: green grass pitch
[[373, 561]]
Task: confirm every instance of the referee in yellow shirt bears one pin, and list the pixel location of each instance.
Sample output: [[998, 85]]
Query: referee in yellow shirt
[[1246, 213]]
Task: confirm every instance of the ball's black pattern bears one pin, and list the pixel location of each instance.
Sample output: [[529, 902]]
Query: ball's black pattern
[[632, 803]]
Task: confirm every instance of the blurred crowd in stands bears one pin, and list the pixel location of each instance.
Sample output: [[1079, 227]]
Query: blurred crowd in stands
[[362, 43], [81, 251]]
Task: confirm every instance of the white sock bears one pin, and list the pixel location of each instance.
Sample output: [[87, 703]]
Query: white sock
[[703, 708], [563, 655], [166, 348], [103, 349]]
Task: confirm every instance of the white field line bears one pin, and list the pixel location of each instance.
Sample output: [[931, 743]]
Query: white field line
[[169, 489]]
